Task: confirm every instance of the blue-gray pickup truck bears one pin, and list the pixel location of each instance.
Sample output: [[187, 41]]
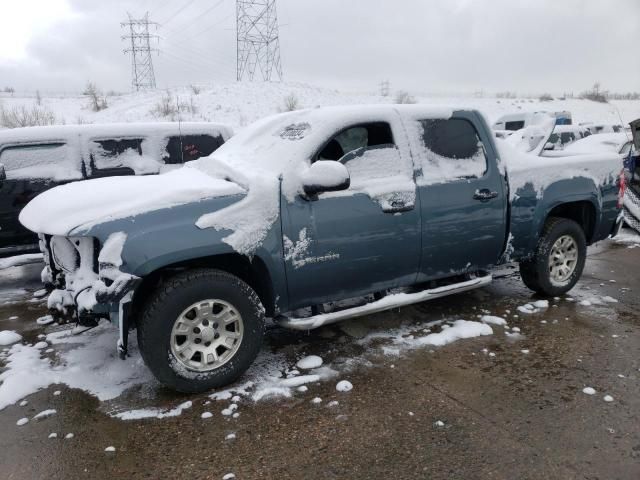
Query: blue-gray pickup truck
[[308, 218]]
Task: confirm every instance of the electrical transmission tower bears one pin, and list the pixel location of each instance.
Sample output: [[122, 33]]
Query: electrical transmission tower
[[258, 43], [385, 88], [142, 76]]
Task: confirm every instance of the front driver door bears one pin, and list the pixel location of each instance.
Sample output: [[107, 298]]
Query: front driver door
[[345, 244]]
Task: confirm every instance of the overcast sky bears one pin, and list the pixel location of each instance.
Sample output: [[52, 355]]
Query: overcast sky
[[437, 46]]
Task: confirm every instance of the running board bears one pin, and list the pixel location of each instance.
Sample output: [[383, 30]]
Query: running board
[[391, 301]]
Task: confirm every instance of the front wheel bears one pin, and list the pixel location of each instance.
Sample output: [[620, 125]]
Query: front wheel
[[558, 260], [201, 330]]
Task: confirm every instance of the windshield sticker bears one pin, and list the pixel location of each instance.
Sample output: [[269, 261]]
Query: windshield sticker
[[295, 131]]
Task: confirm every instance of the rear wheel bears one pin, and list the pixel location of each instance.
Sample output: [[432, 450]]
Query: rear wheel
[[201, 330], [558, 260]]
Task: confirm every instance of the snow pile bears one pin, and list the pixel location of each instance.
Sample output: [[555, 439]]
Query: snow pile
[[7, 337], [309, 362], [534, 307], [493, 320], [344, 386]]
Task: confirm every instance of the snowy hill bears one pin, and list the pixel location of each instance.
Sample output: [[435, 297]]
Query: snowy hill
[[239, 104]]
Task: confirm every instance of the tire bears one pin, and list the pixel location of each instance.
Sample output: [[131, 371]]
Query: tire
[[537, 272], [211, 302]]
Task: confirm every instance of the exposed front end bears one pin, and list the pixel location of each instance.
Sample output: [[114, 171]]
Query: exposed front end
[[84, 277]]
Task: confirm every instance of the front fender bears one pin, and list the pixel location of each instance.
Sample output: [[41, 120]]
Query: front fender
[[166, 237]]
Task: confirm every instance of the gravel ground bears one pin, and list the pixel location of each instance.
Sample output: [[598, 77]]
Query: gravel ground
[[496, 406]]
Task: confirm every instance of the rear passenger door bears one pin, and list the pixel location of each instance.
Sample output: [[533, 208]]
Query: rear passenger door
[[462, 195]]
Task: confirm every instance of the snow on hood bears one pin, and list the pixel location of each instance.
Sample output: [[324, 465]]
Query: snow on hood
[[83, 204]]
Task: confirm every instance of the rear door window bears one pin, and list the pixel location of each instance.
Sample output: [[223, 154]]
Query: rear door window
[[50, 161], [185, 148], [452, 151]]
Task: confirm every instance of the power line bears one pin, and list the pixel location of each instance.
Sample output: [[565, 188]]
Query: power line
[[178, 12], [142, 74], [258, 42], [197, 17]]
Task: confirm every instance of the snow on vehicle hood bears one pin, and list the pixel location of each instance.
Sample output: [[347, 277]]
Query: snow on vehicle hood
[[83, 204]]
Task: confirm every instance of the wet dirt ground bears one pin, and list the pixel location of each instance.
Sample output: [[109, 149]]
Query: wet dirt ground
[[510, 415]]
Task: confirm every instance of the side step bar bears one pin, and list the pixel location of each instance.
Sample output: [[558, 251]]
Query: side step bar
[[390, 301]]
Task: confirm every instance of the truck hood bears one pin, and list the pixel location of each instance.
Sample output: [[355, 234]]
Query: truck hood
[[83, 204]]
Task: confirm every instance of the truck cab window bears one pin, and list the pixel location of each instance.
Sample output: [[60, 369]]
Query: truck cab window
[[452, 151], [354, 138]]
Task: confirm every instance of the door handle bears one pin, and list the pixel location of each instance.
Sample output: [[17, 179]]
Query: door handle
[[397, 206], [484, 195]]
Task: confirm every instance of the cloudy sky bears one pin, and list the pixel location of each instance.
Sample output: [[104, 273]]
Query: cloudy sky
[[430, 46]]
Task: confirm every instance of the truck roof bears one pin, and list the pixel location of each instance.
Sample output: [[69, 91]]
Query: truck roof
[[65, 133]]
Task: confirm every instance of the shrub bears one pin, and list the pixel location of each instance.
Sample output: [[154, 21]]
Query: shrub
[[404, 97], [97, 102], [545, 97], [290, 103], [595, 94], [23, 116]]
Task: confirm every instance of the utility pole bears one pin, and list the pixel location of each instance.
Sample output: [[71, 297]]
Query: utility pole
[[385, 88], [258, 42], [142, 75]]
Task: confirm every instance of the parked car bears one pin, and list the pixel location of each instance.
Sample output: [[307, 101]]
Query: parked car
[[35, 159], [618, 143], [520, 120], [564, 135], [391, 205], [597, 128]]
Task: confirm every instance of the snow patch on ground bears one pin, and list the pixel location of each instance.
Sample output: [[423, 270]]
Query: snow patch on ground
[[19, 260], [154, 412], [88, 361], [8, 337]]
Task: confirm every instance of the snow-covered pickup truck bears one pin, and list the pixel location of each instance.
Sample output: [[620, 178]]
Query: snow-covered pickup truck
[[303, 214]]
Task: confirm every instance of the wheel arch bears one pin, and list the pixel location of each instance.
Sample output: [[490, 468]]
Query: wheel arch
[[252, 271], [583, 212]]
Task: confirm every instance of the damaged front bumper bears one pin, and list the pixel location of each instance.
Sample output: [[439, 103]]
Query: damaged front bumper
[[83, 288]]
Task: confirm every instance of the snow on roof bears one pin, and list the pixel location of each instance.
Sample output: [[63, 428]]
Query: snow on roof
[[66, 133]]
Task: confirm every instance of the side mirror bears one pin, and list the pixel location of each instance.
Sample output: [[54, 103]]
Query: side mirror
[[325, 176], [3, 174], [549, 146]]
